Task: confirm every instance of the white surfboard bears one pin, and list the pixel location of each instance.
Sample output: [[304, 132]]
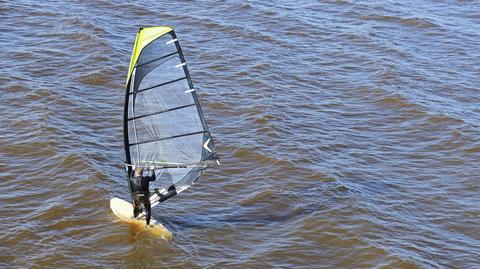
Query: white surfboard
[[124, 210]]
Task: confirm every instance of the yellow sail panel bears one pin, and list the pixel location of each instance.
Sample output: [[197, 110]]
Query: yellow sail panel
[[144, 37]]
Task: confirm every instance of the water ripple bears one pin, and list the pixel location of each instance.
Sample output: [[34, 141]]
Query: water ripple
[[348, 133]]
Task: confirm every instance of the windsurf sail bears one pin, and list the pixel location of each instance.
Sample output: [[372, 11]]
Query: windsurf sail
[[164, 125]]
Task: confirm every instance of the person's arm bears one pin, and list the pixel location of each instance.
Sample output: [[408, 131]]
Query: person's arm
[[152, 177]]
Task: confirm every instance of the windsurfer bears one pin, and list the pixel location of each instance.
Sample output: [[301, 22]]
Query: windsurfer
[[141, 192]]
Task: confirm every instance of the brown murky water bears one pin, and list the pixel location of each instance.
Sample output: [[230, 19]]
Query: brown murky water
[[349, 133]]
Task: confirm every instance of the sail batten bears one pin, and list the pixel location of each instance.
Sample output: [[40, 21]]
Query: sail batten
[[161, 84], [159, 58], [164, 125], [159, 112], [165, 138]]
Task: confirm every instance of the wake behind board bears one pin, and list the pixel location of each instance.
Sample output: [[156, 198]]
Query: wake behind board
[[124, 210]]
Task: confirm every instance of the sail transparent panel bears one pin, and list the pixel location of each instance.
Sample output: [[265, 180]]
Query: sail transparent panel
[[181, 149], [166, 97], [181, 178]]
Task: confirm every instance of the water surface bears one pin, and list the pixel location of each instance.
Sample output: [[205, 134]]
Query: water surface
[[348, 132]]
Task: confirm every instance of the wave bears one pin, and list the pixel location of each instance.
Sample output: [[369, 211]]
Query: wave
[[414, 22]]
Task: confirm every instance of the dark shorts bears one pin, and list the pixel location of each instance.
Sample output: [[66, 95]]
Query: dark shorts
[[141, 198]]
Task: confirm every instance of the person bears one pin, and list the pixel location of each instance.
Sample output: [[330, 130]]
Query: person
[[141, 192]]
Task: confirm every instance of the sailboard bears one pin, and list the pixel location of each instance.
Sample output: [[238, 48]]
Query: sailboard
[[123, 210], [164, 126]]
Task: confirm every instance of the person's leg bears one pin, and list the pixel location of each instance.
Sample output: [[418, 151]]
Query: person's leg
[[136, 209], [137, 203], [148, 208]]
